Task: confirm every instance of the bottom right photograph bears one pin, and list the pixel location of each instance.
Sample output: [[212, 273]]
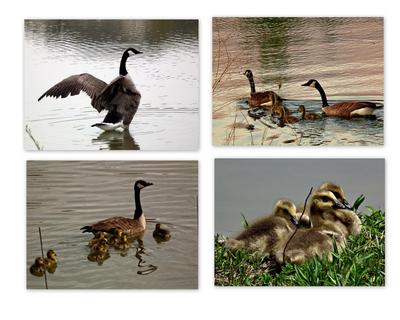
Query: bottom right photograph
[[299, 222]]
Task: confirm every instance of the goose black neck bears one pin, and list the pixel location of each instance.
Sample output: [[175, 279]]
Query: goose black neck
[[322, 94], [138, 205], [122, 66], [303, 113], [252, 85]]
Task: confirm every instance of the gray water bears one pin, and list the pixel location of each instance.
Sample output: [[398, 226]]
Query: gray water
[[344, 54], [63, 196], [252, 186], [166, 74]]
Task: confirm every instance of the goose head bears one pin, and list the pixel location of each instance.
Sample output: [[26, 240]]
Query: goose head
[[131, 51], [140, 184], [248, 74], [301, 108], [286, 209], [310, 83], [337, 191]]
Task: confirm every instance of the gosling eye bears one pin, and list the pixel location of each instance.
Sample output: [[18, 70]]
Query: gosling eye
[[326, 199]]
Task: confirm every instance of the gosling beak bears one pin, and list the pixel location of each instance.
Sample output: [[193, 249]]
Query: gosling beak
[[346, 204], [339, 205], [294, 221]]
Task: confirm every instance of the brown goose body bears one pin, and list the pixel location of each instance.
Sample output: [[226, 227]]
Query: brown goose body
[[284, 119], [259, 99], [347, 109], [120, 97], [129, 226]]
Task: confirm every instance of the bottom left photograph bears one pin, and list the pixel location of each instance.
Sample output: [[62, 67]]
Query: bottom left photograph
[[112, 225]]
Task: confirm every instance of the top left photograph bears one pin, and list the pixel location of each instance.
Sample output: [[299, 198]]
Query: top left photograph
[[111, 85]]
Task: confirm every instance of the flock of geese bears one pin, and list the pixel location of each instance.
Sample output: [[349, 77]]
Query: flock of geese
[[289, 236], [269, 100]]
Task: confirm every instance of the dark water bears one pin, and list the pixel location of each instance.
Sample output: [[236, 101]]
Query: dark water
[[252, 186], [166, 74], [63, 196], [344, 54]]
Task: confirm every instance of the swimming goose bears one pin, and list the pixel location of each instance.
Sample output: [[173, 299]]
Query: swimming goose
[[38, 268], [346, 109], [120, 97], [258, 99], [161, 234], [123, 243], [334, 223], [50, 261], [283, 118], [266, 234], [307, 116], [131, 227]]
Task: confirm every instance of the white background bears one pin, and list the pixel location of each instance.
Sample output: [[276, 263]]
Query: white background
[[208, 301]]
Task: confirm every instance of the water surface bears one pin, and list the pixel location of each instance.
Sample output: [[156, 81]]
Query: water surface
[[344, 54], [166, 74], [63, 196]]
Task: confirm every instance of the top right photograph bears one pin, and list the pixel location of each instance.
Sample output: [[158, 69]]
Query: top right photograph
[[298, 81]]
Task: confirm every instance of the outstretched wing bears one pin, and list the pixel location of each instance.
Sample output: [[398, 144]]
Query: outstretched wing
[[73, 85]]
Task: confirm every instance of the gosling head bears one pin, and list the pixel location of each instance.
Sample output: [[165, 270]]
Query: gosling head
[[326, 200], [158, 226], [39, 261], [310, 83], [286, 209], [51, 254], [248, 74], [337, 191], [140, 184], [301, 108]]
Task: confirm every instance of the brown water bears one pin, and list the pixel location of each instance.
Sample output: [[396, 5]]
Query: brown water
[[344, 54], [63, 196], [166, 74]]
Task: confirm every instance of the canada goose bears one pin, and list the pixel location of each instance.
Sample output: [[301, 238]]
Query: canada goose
[[346, 109], [283, 119], [51, 261], [336, 190], [328, 213], [258, 99], [307, 116], [266, 234], [161, 234], [38, 268], [334, 223], [120, 97], [132, 227]]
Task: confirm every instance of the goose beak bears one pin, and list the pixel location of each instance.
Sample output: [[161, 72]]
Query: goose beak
[[304, 85], [294, 221], [346, 204]]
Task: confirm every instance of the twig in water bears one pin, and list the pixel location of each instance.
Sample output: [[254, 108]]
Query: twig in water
[[297, 227], [29, 132], [41, 248]]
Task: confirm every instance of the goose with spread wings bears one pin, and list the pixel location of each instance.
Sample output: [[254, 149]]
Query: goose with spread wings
[[120, 97]]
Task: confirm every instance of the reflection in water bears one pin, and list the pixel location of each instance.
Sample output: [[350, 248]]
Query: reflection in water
[[344, 54], [116, 140]]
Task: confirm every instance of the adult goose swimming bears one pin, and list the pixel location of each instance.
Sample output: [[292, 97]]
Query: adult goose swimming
[[120, 97], [129, 226], [259, 99], [346, 109]]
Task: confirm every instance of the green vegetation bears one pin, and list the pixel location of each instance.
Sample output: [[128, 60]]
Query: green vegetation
[[361, 263]]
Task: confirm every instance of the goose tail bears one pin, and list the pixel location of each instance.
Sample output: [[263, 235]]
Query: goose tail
[[87, 229]]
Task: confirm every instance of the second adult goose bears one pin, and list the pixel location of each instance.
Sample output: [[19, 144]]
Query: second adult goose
[[346, 109], [129, 226], [259, 99], [120, 97]]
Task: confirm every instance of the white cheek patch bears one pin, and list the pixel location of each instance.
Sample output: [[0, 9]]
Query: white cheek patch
[[140, 185], [362, 112], [312, 84]]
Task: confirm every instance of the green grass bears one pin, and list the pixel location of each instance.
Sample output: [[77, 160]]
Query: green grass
[[361, 263]]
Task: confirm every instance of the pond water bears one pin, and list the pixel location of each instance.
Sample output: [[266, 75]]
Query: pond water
[[344, 54], [252, 186], [166, 74], [63, 196]]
